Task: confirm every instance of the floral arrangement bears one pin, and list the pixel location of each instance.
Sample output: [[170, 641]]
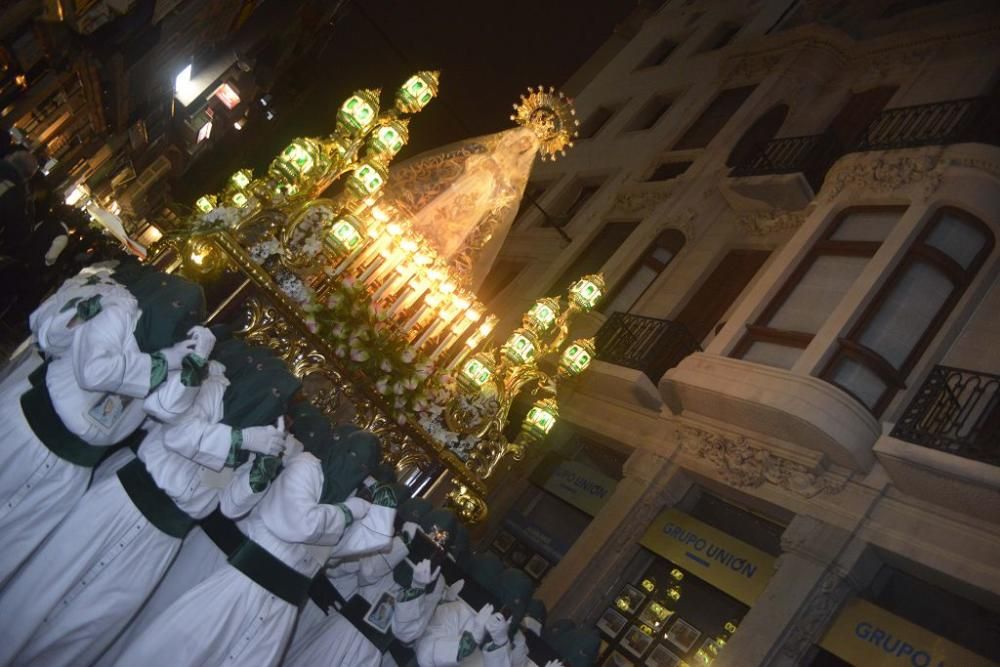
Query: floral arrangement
[[306, 238], [217, 219]]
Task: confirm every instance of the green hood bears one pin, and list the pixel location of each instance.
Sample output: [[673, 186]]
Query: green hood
[[514, 590], [486, 569], [170, 306], [260, 397], [536, 610], [461, 543], [232, 354], [129, 270], [310, 426], [413, 510], [346, 463], [578, 647]]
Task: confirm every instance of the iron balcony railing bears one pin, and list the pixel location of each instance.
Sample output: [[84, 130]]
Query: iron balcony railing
[[812, 155], [956, 411], [644, 343], [938, 123]]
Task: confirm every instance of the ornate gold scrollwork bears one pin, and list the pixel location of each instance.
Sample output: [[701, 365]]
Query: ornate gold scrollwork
[[467, 504]]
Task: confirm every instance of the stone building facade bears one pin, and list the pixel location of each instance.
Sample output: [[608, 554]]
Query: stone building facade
[[795, 205]]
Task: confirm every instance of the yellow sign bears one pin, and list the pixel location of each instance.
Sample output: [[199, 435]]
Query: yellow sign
[[865, 634], [581, 486], [727, 563]]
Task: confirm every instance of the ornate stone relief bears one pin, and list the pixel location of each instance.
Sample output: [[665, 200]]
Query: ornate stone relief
[[813, 618], [885, 173], [769, 221], [638, 204], [744, 465]]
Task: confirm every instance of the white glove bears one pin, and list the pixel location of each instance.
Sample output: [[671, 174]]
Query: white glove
[[554, 663], [422, 575], [292, 446], [357, 507], [265, 440], [497, 626], [479, 621], [175, 353], [204, 341], [452, 592]]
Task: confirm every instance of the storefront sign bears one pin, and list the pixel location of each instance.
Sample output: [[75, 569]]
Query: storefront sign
[[865, 634], [535, 536], [581, 486], [732, 566]]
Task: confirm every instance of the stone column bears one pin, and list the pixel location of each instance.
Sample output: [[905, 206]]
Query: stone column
[[649, 483], [820, 568]]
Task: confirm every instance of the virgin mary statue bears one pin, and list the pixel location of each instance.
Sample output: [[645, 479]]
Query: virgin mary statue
[[462, 198]]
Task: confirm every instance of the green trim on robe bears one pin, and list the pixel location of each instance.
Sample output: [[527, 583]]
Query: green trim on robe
[[157, 370]]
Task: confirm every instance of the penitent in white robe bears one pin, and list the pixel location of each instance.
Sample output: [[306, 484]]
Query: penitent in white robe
[[439, 645], [38, 488], [338, 642], [81, 588], [229, 619]]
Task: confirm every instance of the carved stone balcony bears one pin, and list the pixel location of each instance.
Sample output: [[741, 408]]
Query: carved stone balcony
[[785, 173], [634, 352], [946, 446], [799, 411]]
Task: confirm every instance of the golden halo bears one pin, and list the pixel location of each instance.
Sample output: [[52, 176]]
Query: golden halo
[[550, 115]]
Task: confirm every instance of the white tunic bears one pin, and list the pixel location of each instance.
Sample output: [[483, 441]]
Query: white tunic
[[337, 641], [439, 645], [38, 488], [229, 619], [80, 589]]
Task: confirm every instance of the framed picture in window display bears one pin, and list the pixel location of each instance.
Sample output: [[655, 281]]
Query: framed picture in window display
[[537, 567], [630, 599], [518, 555], [655, 615], [503, 541], [616, 659], [708, 652], [611, 623], [636, 641], [661, 656], [683, 635]]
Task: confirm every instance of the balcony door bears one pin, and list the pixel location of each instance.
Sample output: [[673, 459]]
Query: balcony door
[[861, 109], [710, 303]]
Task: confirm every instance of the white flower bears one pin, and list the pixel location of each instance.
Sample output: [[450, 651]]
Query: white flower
[[399, 403], [359, 356], [398, 389], [407, 356], [382, 386], [410, 383], [335, 300], [340, 351], [338, 331], [401, 419], [385, 365]]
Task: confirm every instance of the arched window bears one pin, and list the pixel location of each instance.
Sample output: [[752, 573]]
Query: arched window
[[873, 361], [757, 135], [647, 269]]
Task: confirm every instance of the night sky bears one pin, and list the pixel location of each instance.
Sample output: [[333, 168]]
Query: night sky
[[488, 52]]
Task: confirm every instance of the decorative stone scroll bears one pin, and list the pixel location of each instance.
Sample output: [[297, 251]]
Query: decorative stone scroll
[[744, 465]]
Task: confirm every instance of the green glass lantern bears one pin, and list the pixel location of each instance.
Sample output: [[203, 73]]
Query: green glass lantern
[[418, 91], [389, 138], [206, 204], [298, 156], [345, 235], [587, 292], [241, 179], [540, 419], [358, 113], [476, 372], [542, 314], [676, 574], [674, 593], [576, 357], [367, 179], [239, 199], [521, 347]]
